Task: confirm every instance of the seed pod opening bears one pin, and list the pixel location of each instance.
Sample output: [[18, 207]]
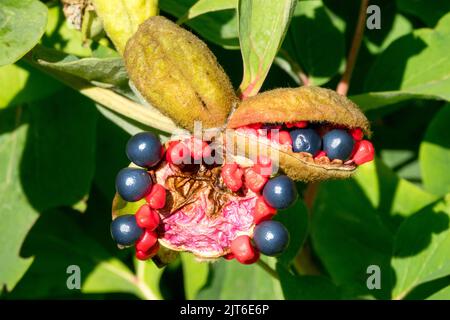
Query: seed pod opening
[[177, 73], [303, 117]]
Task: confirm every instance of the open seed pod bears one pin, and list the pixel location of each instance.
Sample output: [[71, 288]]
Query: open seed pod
[[315, 107], [177, 73]]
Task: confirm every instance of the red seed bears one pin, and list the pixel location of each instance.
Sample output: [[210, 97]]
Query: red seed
[[253, 180], [229, 256], [298, 124], [357, 134], [145, 255], [157, 197], [146, 240], [321, 154], [365, 152], [232, 176], [243, 250], [177, 153], [262, 211], [147, 218]]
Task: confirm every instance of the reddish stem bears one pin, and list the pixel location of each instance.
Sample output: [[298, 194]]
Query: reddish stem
[[344, 84]]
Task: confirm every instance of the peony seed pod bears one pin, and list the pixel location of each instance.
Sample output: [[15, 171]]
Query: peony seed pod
[[177, 73]]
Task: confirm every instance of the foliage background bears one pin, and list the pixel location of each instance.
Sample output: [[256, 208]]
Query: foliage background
[[60, 151]]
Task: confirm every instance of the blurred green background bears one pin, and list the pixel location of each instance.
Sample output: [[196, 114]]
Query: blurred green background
[[60, 151]]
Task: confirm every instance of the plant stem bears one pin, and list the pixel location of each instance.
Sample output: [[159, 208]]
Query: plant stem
[[268, 269], [111, 100], [344, 84]]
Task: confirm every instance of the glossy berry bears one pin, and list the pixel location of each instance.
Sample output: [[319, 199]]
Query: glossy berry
[[338, 144], [133, 184], [147, 218], [243, 251], [280, 192], [305, 140], [271, 237], [357, 134], [144, 149], [125, 230]]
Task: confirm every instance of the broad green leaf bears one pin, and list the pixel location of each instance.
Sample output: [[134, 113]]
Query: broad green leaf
[[314, 33], [306, 287], [232, 280], [205, 6], [195, 275], [16, 213], [428, 11], [295, 219], [421, 248], [58, 161], [348, 235], [22, 24], [443, 294], [414, 66], [262, 27], [58, 241], [220, 27], [121, 19], [435, 154], [21, 84], [100, 71], [150, 275]]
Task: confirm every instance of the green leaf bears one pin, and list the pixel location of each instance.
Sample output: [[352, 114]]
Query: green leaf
[[435, 154], [150, 275], [314, 33], [58, 161], [443, 294], [428, 11], [58, 241], [16, 213], [295, 219], [100, 71], [22, 84], [205, 6], [262, 27], [195, 275], [306, 287], [220, 27], [348, 235], [414, 66], [22, 24], [232, 280], [421, 248]]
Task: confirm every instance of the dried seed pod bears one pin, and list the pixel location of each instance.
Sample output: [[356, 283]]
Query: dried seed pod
[[312, 104], [177, 73]]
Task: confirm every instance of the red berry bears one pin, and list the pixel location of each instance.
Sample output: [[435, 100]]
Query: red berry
[[357, 134], [262, 211], [199, 149], [298, 124], [146, 241], [232, 176], [177, 153], [229, 256], [253, 180], [263, 166], [243, 250], [364, 152], [157, 197], [255, 126], [282, 137], [320, 154], [147, 218], [145, 255]]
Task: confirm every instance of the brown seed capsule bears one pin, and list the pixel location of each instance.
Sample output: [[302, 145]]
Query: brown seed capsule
[[177, 73], [312, 104]]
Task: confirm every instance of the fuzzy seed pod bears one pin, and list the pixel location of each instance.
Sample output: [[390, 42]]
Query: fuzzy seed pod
[[177, 73]]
